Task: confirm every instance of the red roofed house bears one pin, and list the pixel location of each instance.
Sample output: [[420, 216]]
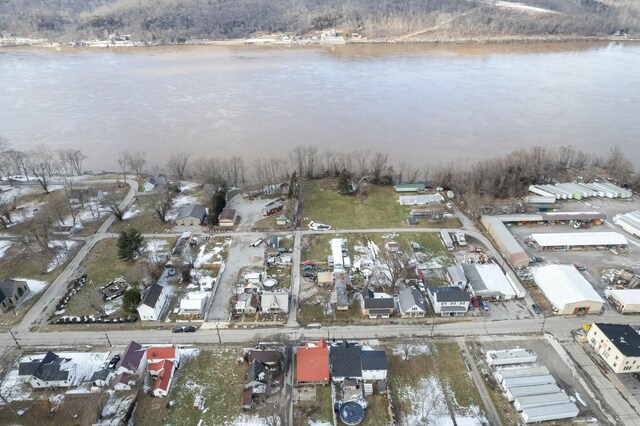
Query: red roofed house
[[162, 362], [312, 363]]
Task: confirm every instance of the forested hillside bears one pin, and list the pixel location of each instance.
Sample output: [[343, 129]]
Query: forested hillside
[[172, 20]]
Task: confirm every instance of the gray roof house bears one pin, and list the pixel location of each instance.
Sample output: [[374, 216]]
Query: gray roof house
[[374, 365], [411, 304], [377, 305], [449, 301], [12, 292], [152, 303], [192, 215], [133, 359], [345, 361], [49, 371], [152, 183]]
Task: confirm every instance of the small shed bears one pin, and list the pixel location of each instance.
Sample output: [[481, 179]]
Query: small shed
[[227, 217]]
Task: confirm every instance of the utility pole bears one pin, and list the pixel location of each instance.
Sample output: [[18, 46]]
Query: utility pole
[[109, 341], [15, 340], [544, 318], [218, 330]]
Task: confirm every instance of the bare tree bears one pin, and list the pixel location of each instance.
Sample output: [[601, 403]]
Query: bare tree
[[164, 205], [136, 162], [406, 349], [212, 172], [114, 207], [123, 162], [97, 302], [272, 413], [6, 208], [618, 165], [177, 165], [40, 164], [395, 268], [236, 170], [71, 160]]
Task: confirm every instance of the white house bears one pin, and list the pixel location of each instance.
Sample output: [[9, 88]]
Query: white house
[[449, 301], [247, 303], [152, 304], [274, 302], [411, 304], [374, 365], [193, 303], [49, 371]]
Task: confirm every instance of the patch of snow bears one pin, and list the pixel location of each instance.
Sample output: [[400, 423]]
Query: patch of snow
[[34, 285], [156, 250], [4, 246], [188, 186], [318, 423], [523, 7], [61, 252], [247, 420], [131, 213], [179, 202], [415, 350], [579, 398]]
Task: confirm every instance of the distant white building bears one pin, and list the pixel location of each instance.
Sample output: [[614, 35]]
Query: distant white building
[[420, 200], [274, 302], [151, 307], [49, 371], [193, 303], [567, 290]]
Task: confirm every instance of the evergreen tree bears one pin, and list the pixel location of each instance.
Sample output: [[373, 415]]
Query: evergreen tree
[[218, 202], [129, 244], [131, 299]]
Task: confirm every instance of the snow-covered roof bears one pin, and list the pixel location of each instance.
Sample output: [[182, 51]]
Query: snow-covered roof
[[579, 239], [563, 284]]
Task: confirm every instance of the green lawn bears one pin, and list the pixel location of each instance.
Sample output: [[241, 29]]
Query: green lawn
[[214, 374], [146, 220], [379, 209], [282, 276], [101, 266], [316, 248], [320, 410]]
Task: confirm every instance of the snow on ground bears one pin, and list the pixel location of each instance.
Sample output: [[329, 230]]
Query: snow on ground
[[523, 7], [113, 306], [415, 350], [247, 420], [4, 246], [132, 212], [61, 252], [320, 423], [206, 256], [87, 363], [156, 250], [188, 186], [429, 405], [34, 285]]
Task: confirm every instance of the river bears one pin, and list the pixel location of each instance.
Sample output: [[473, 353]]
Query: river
[[421, 103]]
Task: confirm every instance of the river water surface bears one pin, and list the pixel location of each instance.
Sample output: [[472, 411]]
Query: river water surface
[[420, 103]]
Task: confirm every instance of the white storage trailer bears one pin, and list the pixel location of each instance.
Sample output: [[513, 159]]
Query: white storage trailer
[[515, 382], [511, 356], [509, 372], [446, 238], [336, 251], [544, 413], [521, 391], [540, 400]]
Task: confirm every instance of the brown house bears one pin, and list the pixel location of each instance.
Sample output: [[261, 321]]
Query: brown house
[[12, 292], [227, 217], [377, 305]]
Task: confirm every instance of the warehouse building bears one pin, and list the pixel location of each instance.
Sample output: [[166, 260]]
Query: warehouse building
[[505, 242], [626, 301], [540, 400], [513, 393], [420, 200], [487, 281], [508, 372], [567, 290], [511, 356], [617, 344], [578, 191], [577, 240], [630, 222], [543, 413]]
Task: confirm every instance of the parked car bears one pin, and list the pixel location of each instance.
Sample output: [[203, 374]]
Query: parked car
[[485, 306], [474, 302], [536, 309], [189, 329], [257, 242], [177, 330], [421, 286], [114, 361]]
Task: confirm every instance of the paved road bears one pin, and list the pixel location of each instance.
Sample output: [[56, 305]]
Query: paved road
[[40, 311]]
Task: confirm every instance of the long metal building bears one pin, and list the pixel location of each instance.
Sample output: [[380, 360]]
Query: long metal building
[[543, 413], [514, 382], [511, 356], [540, 400], [509, 372], [630, 222], [513, 393]]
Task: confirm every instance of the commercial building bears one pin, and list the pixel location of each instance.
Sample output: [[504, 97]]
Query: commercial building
[[630, 222], [513, 393], [543, 413], [511, 356], [420, 200], [576, 240], [617, 344], [489, 282], [505, 242], [567, 290], [627, 301], [540, 400], [578, 191]]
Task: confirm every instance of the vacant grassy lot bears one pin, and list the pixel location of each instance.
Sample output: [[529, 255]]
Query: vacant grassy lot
[[144, 218], [214, 374], [101, 266], [282, 277], [318, 411], [316, 248], [433, 382]]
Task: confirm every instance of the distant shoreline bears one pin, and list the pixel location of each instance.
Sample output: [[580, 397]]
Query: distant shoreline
[[24, 43]]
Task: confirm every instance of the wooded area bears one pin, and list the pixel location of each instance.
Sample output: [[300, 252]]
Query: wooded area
[[176, 21]]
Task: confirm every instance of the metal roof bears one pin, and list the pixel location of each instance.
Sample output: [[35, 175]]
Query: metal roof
[[563, 285], [488, 278], [579, 239]]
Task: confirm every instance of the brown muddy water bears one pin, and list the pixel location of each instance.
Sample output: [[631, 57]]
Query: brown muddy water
[[420, 103]]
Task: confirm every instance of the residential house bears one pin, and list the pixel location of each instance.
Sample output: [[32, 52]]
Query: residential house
[[282, 221], [455, 276], [325, 278], [152, 304], [449, 301], [133, 361], [411, 304], [345, 361], [268, 357], [227, 217], [273, 208], [102, 378], [247, 303], [50, 371], [272, 302], [257, 377], [124, 382], [157, 182], [84, 195], [374, 365], [12, 292], [162, 362], [312, 363], [409, 187], [193, 303], [191, 215], [617, 344], [377, 305]]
